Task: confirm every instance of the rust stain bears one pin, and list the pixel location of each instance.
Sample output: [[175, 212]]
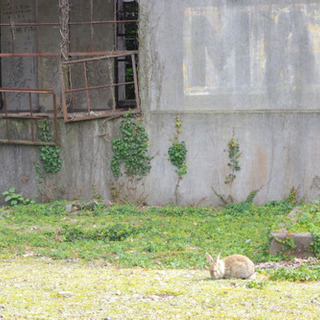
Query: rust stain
[[259, 169]]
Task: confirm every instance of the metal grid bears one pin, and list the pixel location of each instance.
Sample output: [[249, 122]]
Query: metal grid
[[68, 90], [65, 57], [9, 116], [12, 25]]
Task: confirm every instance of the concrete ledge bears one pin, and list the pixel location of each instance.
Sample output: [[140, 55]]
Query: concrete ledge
[[301, 240]]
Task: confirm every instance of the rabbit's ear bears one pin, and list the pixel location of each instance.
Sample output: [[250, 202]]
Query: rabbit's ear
[[209, 258], [217, 258]]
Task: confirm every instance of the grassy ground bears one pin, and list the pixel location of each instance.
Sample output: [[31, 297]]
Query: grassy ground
[[46, 289], [128, 262], [169, 237]]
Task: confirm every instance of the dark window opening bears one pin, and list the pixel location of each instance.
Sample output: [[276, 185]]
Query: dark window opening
[[126, 39]]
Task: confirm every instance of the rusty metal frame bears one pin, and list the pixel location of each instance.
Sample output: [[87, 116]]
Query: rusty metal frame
[[71, 117], [66, 59], [7, 115], [37, 24]]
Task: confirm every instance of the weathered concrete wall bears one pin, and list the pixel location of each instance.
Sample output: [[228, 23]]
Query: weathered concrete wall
[[248, 67], [86, 155]]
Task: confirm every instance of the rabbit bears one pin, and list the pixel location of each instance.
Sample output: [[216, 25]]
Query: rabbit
[[234, 266]]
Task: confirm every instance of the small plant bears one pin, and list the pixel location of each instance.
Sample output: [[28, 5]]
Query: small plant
[[243, 207], [234, 155], [293, 196], [178, 151], [15, 199], [116, 232], [131, 150], [49, 155], [95, 193], [315, 245], [303, 273], [256, 284], [233, 166], [177, 154], [289, 244]]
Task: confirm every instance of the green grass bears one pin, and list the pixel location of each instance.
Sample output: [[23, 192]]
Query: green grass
[[60, 266], [306, 219], [165, 237]]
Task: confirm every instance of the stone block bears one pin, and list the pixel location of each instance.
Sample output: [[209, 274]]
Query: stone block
[[301, 240]]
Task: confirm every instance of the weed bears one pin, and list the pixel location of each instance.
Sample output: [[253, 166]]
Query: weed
[[127, 235], [315, 244], [303, 273], [15, 199], [234, 155], [49, 155], [256, 284]]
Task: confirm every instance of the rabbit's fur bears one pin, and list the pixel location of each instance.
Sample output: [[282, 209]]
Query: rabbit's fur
[[234, 266]]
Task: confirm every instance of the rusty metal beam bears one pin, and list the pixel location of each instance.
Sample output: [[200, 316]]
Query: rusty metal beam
[[99, 87], [135, 80], [106, 55], [56, 24], [104, 114], [31, 115], [99, 54], [27, 142]]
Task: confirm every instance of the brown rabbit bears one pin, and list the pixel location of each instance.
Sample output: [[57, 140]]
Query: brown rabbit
[[234, 266]]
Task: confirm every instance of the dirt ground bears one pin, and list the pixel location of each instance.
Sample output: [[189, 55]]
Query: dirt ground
[[47, 289]]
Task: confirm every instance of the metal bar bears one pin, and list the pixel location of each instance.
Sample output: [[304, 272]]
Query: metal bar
[[31, 116], [55, 120], [26, 115], [56, 24], [27, 90], [103, 22], [108, 56], [12, 26], [91, 25], [38, 27], [101, 54], [30, 24], [98, 87], [105, 114], [135, 79], [26, 142], [63, 95], [31, 54], [86, 86]]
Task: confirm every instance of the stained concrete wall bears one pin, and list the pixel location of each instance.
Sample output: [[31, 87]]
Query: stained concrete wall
[[245, 67], [248, 68]]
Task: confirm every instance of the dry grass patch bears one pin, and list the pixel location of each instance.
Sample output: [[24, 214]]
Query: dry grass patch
[[43, 289]]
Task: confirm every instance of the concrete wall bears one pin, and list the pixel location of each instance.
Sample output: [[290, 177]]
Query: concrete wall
[[245, 68], [248, 67], [86, 155]]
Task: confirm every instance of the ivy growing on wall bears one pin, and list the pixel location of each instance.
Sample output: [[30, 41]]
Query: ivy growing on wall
[[49, 155], [131, 150], [177, 155], [178, 150]]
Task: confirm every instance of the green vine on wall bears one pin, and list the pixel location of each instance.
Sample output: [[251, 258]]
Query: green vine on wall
[[49, 158], [234, 155], [49, 155], [131, 150], [178, 151]]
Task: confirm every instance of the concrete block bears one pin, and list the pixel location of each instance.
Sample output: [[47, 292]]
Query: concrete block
[[301, 240]]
